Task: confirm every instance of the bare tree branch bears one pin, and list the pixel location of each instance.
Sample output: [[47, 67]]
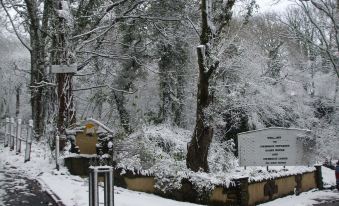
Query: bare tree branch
[[14, 27]]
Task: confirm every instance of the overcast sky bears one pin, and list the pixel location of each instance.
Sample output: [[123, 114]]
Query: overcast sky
[[272, 5]]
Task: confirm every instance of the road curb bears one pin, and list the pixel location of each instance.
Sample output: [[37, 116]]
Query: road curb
[[50, 192]]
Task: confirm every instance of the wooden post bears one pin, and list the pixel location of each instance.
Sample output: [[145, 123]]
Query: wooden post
[[29, 141], [18, 136], [7, 133], [12, 130]]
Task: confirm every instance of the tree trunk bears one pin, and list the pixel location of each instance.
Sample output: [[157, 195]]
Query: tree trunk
[[336, 97], [178, 105], [197, 149], [172, 68], [37, 68], [123, 113], [203, 133], [166, 85], [66, 113], [17, 103]]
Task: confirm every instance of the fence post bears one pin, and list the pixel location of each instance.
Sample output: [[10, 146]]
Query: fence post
[[57, 151], [18, 137], [29, 141], [12, 129], [7, 132]]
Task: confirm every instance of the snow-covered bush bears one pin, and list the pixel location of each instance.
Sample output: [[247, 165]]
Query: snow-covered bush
[[221, 156], [161, 151], [153, 145]]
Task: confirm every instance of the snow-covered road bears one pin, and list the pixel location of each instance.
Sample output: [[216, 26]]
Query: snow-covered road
[[16, 190]]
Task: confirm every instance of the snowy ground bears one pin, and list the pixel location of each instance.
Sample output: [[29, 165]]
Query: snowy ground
[[73, 190], [312, 197], [16, 190]]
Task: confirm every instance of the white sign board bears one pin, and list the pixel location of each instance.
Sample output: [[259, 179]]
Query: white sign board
[[274, 147], [64, 69]]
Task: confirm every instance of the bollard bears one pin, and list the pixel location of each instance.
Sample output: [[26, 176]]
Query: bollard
[[57, 151], [93, 187], [29, 141], [18, 137], [108, 185], [11, 138], [7, 133]]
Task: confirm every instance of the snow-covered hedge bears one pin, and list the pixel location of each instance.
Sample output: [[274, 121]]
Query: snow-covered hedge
[[160, 151]]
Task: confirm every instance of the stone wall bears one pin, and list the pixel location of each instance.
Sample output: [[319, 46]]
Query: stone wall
[[271, 189], [242, 192]]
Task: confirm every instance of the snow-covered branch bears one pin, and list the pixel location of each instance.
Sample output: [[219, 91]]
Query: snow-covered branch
[[14, 27]]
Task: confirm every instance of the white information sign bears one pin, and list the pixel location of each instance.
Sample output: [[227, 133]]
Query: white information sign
[[275, 147], [64, 69]]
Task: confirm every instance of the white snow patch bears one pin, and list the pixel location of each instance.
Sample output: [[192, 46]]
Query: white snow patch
[[305, 199], [328, 176]]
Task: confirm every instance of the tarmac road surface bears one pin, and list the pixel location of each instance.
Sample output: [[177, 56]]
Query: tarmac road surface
[[16, 190]]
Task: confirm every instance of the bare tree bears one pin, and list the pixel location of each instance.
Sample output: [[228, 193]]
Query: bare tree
[[210, 35], [329, 36], [36, 21]]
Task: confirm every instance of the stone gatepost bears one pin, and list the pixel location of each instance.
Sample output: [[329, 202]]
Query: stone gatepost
[[319, 177], [243, 195]]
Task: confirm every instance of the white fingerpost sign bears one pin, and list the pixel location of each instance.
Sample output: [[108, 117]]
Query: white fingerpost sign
[[275, 147], [64, 69]]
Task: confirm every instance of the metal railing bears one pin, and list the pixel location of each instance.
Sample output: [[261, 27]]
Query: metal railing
[[107, 172]]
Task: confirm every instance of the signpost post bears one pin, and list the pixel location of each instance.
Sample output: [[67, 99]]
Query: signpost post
[[57, 139], [273, 147]]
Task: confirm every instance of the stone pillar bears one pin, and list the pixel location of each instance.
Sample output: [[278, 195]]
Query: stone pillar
[[319, 177], [243, 195]]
